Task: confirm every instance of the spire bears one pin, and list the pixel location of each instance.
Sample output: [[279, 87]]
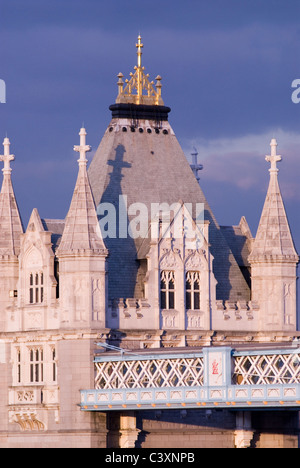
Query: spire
[[139, 90], [273, 239], [11, 226], [82, 232]]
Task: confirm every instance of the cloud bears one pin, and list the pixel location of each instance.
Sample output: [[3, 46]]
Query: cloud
[[241, 161], [226, 77]]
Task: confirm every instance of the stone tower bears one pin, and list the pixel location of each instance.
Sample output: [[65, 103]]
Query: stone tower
[[139, 165], [274, 259], [52, 308], [11, 229], [81, 255], [140, 262]]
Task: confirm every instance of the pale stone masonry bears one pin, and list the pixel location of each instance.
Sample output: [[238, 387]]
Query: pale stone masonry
[[273, 258], [66, 284]]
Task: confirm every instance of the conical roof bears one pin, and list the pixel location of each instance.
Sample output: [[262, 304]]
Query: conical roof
[[81, 231], [11, 226], [273, 239], [140, 160]]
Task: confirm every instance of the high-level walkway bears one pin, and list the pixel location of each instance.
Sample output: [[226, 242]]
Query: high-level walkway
[[265, 377]]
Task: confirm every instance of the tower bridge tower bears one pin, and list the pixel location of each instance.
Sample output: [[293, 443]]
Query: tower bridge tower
[[138, 320], [139, 164]]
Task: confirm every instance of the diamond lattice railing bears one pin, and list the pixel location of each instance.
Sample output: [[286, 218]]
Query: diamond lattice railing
[[216, 376], [267, 369], [157, 373]]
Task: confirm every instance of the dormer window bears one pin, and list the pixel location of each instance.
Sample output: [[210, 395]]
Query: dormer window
[[192, 290], [36, 288], [167, 290]]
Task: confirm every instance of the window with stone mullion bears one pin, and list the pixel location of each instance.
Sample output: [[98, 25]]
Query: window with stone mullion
[[192, 290], [167, 290]]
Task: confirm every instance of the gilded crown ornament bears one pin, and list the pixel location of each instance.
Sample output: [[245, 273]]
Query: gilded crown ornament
[[139, 90]]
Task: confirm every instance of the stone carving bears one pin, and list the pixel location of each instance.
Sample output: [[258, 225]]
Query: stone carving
[[96, 298], [34, 259], [27, 421], [194, 262], [171, 259], [25, 396]]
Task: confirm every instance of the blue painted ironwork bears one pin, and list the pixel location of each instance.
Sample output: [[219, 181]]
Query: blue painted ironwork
[[215, 377]]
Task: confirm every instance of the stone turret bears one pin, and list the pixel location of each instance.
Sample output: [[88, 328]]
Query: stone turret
[[82, 255], [11, 229], [274, 259]]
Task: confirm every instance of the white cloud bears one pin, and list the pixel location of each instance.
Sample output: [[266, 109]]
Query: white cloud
[[241, 161]]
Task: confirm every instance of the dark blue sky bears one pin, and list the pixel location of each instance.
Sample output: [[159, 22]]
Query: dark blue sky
[[227, 68]]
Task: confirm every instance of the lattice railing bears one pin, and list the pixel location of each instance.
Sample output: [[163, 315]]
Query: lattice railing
[[257, 369], [156, 373], [215, 376]]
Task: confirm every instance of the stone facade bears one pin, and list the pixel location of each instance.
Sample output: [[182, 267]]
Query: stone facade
[[66, 284]]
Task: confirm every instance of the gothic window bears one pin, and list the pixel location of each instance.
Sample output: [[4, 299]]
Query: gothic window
[[56, 275], [167, 290], [31, 290], [192, 290], [54, 367], [36, 288], [36, 365], [19, 375]]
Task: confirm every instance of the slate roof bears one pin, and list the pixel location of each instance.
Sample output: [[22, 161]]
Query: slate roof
[[143, 160], [240, 243], [56, 227]]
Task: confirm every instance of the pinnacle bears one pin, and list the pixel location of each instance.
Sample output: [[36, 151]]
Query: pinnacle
[[82, 232], [11, 226], [273, 239]]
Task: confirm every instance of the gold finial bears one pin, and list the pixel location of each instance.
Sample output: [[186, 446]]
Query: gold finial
[[139, 90], [139, 47]]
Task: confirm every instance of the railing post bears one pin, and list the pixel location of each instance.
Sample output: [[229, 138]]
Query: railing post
[[217, 366]]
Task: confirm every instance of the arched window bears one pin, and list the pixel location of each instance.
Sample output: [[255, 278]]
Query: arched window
[[167, 290], [192, 290], [36, 288]]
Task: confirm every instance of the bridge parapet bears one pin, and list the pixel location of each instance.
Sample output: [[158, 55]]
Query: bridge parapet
[[214, 376]]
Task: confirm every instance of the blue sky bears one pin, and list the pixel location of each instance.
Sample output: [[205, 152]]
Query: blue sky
[[227, 68]]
